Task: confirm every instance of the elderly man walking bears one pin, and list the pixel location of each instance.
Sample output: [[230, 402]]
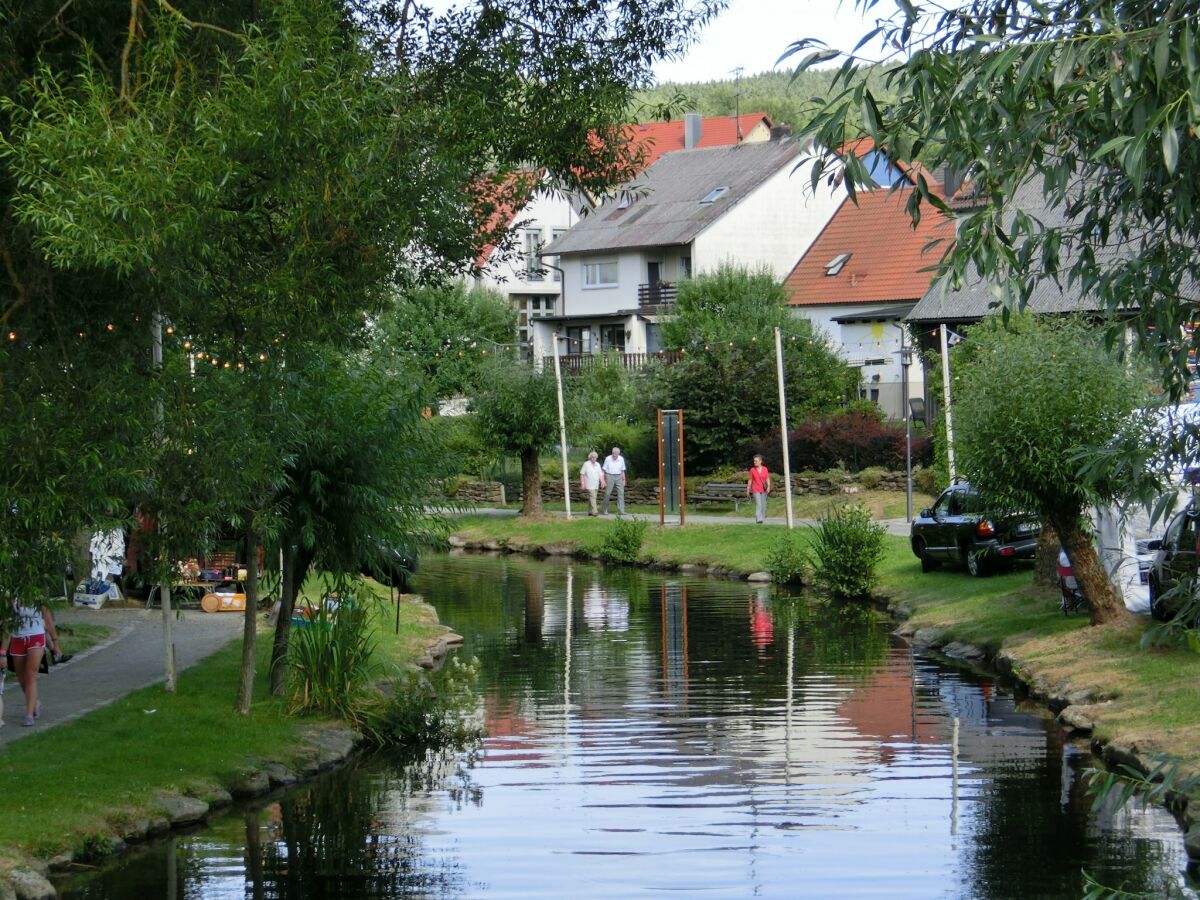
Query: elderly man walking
[[614, 474], [591, 479]]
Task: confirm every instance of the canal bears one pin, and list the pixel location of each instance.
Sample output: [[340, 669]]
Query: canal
[[651, 735]]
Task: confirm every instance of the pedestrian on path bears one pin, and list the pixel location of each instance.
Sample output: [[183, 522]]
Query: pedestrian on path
[[27, 646], [591, 479], [759, 486], [614, 473]]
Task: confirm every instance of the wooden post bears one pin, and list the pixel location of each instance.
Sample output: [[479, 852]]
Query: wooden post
[[662, 508]]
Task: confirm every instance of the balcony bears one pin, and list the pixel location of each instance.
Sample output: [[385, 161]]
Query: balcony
[[575, 363], [656, 297]]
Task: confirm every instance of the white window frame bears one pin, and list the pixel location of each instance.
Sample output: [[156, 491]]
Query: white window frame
[[596, 266]]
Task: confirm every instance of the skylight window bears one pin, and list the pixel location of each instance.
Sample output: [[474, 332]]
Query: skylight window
[[714, 194], [836, 264]]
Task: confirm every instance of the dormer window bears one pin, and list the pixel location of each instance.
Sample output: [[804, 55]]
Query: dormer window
[[836, 264], [714, 194]]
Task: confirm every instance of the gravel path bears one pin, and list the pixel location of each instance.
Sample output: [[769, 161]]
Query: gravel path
[[131, 658]]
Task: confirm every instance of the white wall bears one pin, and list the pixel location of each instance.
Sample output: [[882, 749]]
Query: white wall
[[773, 226], [860, 343], [505, 272]]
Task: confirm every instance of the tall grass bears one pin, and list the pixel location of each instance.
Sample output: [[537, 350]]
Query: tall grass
[[330, 658]]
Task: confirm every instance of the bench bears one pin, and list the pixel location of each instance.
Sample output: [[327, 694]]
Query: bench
[[716, 492]]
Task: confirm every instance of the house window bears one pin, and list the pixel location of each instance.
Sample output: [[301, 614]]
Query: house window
[[532, 265], [612, 337], [685, 267], [600, 274], [556, 273], [836, 264], [714, 194], [579, 339]]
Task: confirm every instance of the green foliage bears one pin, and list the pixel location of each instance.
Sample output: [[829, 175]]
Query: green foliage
[[459, 439], [786, 558], [728, 393], [926, 481], [605, 392], [425, 709], [638, 443], [445, 329], [330, 659], [1032, 397], [847, 546], [516, 408], [871, 477], [623, 541], [1032, 100]]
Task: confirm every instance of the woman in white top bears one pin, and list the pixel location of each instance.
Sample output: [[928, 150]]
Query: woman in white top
[[27, 647], [591, 479]]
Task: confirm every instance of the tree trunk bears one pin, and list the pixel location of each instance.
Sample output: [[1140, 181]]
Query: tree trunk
[[295, 566], [1045, 562], [531, 483], [1107, 605], [250, 629]]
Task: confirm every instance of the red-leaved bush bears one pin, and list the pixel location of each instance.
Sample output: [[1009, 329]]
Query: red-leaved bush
[[855, 438]]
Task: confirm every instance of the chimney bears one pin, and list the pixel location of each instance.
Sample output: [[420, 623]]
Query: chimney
[[692, 125], [779, 132]]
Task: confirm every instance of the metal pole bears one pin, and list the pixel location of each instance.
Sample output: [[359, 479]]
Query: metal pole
[[562, 428], [783, 429], [905, 363], [946, 391], [164, 590]]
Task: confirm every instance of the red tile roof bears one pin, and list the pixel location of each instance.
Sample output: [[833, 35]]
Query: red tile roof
[[716, 131], [889, 260], [498, 200]]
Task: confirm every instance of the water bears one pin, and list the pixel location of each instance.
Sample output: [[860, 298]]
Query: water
[[655, 736]]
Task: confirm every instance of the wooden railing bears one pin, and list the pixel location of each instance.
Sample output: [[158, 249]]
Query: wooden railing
[[574, 363], [655, 295]]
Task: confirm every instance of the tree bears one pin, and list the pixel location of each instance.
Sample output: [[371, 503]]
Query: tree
[[516, 411], [1094, 101], [448, 332], [726, 379], [261, 175], [1031, 398]]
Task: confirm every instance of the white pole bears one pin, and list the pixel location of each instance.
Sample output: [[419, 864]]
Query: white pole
[[783, 429], [946, 391], [905, 363], [562, 429]]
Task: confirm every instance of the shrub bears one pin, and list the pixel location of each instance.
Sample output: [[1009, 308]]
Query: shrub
[[638, 444], [330, 659], [460, 443], [433, 708], [785, 558], [845, 549], [854, 438], [871, 477], [925, 480], [623, 541]]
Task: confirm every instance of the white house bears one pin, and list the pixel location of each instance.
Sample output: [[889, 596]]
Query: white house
[[688, 213]]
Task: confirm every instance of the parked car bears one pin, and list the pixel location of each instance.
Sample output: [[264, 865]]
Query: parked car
[[960, 528], [1174, 561]]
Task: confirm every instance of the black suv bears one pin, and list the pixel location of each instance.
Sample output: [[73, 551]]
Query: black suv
[[1175, 562], [960, 528]]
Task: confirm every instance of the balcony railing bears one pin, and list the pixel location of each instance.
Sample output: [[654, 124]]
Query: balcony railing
[[574, 363], [652, 296]]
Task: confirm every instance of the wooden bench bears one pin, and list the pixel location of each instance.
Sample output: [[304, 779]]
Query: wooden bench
[[716, 492]]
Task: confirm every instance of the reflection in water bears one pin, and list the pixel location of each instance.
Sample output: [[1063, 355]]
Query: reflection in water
[[699, 737]]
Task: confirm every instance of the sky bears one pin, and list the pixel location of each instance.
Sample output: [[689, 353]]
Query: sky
[[753, 34]]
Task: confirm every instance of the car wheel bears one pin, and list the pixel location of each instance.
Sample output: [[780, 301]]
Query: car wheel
[[1157, 612], [927, 563], [978, 564]]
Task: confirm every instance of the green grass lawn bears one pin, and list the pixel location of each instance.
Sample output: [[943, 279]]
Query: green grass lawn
[[96, 774]]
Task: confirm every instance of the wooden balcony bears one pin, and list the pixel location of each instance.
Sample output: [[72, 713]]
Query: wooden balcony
[[575, 363], [655, 297]]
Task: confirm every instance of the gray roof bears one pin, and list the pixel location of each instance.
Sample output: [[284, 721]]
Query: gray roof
[[978, 296], [876, 314], [667, 210]]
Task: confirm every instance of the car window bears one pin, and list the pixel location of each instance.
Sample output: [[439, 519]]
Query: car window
[[943, 506], [1188, 534], [969, 502], [1171, 535]]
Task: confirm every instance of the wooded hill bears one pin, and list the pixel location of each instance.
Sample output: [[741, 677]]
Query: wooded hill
[[786, 101]]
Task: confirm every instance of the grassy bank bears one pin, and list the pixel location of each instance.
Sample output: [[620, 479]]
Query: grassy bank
[[1148, 698], [102, 772]]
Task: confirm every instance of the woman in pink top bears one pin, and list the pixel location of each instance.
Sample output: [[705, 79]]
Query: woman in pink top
[[759, 485]]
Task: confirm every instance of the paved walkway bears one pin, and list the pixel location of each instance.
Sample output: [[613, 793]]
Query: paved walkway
[[893, 526], [131, 658]]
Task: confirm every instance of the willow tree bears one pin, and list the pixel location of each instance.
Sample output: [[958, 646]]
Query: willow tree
[[1033, 395]]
